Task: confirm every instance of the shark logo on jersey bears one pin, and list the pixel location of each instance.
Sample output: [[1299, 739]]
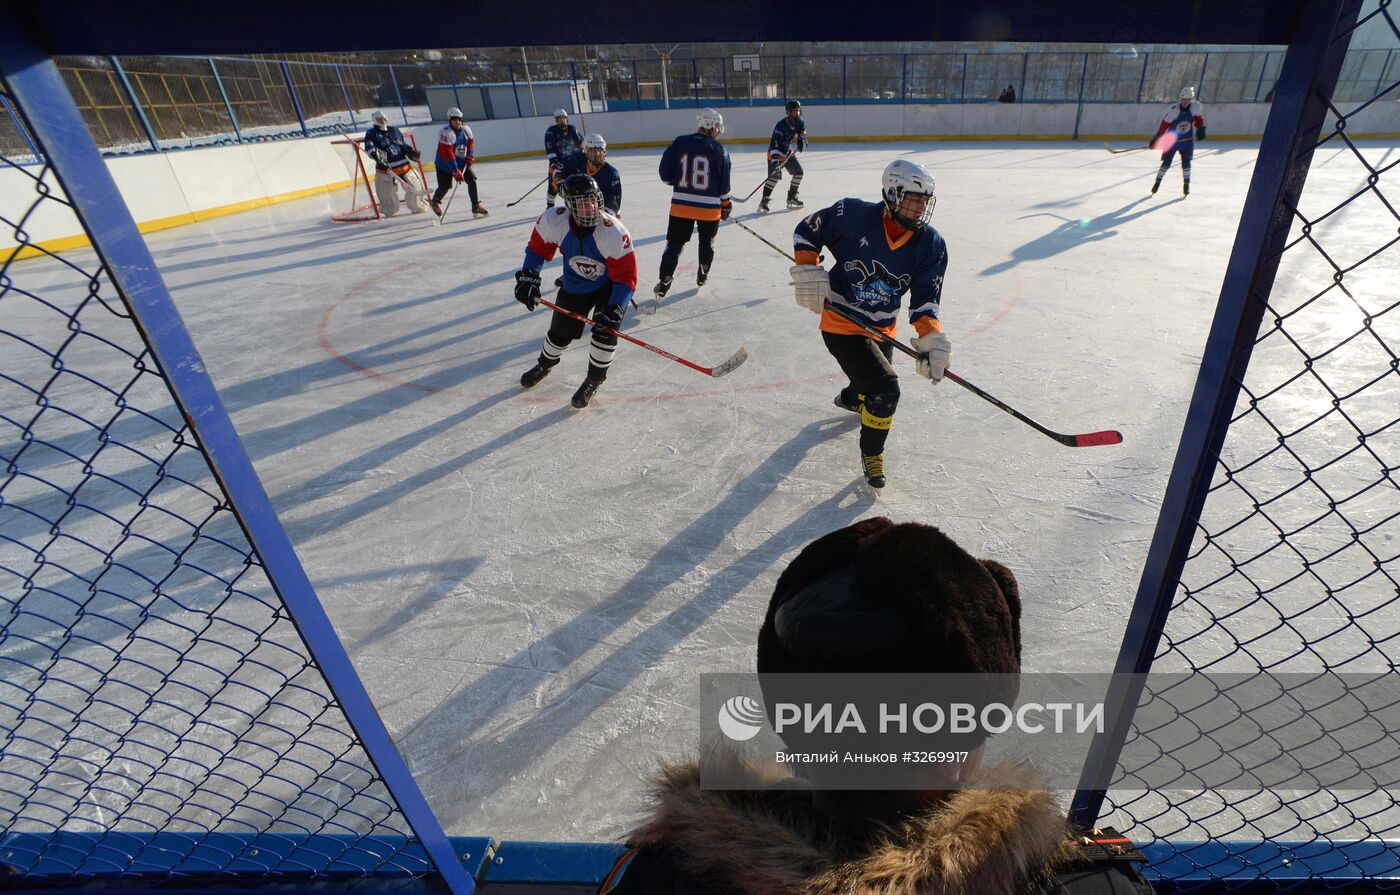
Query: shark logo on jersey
[[876, 282], [588, 268]]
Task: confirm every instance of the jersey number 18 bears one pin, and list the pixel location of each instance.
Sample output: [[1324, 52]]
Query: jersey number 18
[[695, 172]]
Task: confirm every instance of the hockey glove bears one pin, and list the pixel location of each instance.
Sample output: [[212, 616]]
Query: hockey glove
[[1201, 132], [381, 156], [801, 144], [458, 176], [811, 286], [935, 351], [609, 316], [725, 209], [527, 288], [412, 153]]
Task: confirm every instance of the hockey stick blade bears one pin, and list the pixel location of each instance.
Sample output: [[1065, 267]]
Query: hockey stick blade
[[729, 366], [527, 193], [1089, 439], [1120, 151]]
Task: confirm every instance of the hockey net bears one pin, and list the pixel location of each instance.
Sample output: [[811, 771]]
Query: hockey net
[[363, 203]]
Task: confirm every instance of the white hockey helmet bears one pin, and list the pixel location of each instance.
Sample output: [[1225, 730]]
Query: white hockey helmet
[[901, 186], [1188, 93], [709, 119], [595, 148], [561, 113], [454, 112], [380, 120]]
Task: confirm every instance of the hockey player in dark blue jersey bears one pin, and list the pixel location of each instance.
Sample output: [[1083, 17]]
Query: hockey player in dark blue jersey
[[789, 138], [880, 252], [561, 140], [696, 167], [593, 161], [1183, 124], [394, 157]]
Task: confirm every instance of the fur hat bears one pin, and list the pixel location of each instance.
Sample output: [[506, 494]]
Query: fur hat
[[881, 597]]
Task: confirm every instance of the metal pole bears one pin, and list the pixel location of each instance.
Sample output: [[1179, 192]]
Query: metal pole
[[534, 108], [636, 86], [135, 103], [296, 103], [1143, 80], [346, 95], [904, 79], [1259, 85], [665, 84], [1201, 81], [1310, 71], [724, 78], [786, 93], [1385, 67], [515, 89], [456, 97], [962, 91], [398, 95], [47, 108], [843, 78], [1079, 113], [695, 81], [1025, 66], [219, 82]]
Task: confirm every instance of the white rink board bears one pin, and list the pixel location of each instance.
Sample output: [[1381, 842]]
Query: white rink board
[[529, 592]]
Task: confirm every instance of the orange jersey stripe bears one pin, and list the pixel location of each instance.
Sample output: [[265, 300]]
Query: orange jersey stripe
[[837, 325], [691, 213]]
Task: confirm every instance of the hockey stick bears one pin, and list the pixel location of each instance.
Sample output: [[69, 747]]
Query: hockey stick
[[1088, 439], [763, 239], [528, 192], [723, 369], [1120, 151], [439, 218], [766, 179]]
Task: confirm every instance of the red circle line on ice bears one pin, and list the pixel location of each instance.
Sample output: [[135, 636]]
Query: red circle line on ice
[[323, 336]]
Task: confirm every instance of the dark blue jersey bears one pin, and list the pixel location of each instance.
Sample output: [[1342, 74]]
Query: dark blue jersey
[[697, 168], [387, 147], [788, 136], [561, 142], [871, 272], [609, 181]]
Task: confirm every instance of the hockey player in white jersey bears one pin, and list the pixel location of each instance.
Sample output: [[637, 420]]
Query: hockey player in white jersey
[[1183, 124], [600, 275]]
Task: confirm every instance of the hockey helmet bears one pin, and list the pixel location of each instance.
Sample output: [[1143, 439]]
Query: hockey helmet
[[1188, 93], [709, 119], [793, 106], [561, 113], [901, 186], [583, 198], [595, 148], [454, 112], [380, 120]]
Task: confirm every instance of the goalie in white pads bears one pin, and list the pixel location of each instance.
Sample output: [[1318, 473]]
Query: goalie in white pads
[[393, 167], [600, 275], [880, 251]]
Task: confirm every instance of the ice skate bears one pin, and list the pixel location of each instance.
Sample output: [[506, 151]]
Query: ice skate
[[531, 377], [585, 393], [874, 467]]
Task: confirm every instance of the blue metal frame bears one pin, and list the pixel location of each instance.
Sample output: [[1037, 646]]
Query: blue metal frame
[[232, 117], [1311, 66], [398, 95], [345, 95], [45, 105], [296, 103], [135, 102], [551, 863]]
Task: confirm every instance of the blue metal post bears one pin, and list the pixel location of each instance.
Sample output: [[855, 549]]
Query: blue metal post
[[1263, 70], [904, 79], [398, 95], [219, 82], [296, 103], [1310, 71], [1079, 113], [786, 95], [33, 150], [1201, 81], [962, 91], [636, 86], [1143, 81], [515, 89], [724, 77], [695, 81], [346, 95], [1025, 66], [456, 96], [135, 103], [843, 77], [47, 108], [1385, 67]]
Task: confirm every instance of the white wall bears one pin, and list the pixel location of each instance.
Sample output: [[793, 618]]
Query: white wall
[[170, 188]]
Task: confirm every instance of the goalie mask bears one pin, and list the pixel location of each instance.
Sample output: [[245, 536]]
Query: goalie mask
[[583, 198], [907, 188], [380, 120]]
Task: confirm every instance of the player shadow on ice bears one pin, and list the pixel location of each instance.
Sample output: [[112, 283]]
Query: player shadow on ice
[[454, 735], [1073, 233], [1075, 200], [448, 579]]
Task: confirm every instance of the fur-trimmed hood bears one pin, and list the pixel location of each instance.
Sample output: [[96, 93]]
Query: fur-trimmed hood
[[774, 842]]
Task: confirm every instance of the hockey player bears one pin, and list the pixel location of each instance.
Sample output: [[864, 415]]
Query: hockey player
[[456, 153], [393, 166], [880, 252], [1181, 119], [696, 166], [593, 161], [600, 275], [561, 140], [789, 138]]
